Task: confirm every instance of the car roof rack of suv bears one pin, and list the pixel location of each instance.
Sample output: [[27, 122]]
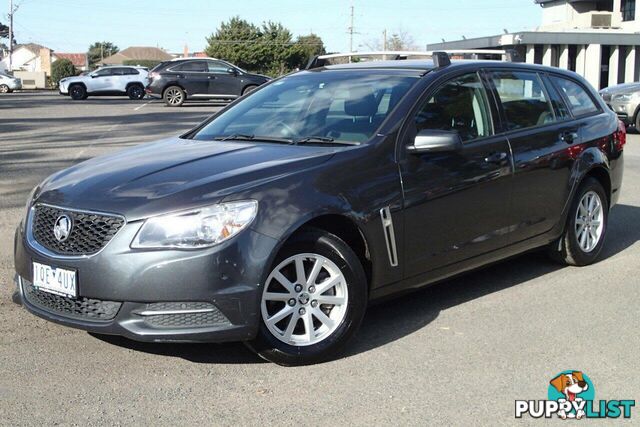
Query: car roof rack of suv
[[441, 58]]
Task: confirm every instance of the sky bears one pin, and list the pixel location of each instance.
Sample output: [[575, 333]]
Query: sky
[[72, 25]]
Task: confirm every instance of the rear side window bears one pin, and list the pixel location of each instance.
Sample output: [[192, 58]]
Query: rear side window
[[524, 101], [579, 100], [195, 66], [459, 105], [131, 71]]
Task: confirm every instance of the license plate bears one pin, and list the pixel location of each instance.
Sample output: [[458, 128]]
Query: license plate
[[55, 280]]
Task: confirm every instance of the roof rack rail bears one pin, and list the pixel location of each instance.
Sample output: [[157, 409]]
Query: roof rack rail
[[440, 58]]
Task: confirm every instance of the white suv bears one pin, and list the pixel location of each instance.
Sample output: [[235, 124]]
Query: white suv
[[118, 80]]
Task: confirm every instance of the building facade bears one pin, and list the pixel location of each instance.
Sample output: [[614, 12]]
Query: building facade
[[599, 39]]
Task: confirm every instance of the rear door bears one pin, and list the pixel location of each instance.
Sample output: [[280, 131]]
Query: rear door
[[223, 80], [540, 129], [194, 77], [455, 203]]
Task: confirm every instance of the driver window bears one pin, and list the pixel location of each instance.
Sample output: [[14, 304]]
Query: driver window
[[459, 105]]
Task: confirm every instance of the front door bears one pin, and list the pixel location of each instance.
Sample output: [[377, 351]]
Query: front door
[[224, 80], [456, 203], [101, 80]]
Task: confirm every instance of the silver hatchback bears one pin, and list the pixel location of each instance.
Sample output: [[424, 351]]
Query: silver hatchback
[[9, 83]]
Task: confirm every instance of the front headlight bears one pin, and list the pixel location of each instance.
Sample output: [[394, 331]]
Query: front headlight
[[627, 97], [198, 228]]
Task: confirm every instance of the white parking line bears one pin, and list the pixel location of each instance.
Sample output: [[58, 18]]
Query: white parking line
[[140, 106]]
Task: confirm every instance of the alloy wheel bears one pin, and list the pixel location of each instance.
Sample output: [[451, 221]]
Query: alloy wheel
[[304, 299], [174, 96], [4, 89], [589, 223]]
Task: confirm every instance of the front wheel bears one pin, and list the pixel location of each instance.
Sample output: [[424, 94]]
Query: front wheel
[[249, 89], [584, 234], [313, 300], [77, 92], [4, 89]]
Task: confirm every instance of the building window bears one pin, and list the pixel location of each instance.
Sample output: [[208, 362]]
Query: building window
[[628, 9]]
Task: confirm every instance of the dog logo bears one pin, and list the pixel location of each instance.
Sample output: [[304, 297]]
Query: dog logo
[[62, 228], [571, 395], [571, 385]]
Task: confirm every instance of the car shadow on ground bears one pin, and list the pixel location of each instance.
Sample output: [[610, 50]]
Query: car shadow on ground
[[397, 318]]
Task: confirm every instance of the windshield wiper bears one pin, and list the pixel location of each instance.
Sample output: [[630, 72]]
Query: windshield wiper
[[246, 137], [322, 140], [235, 136]]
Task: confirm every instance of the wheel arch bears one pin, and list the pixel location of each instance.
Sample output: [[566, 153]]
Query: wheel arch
[[341, 225], [168, 85], [600, 174], [133, 84]]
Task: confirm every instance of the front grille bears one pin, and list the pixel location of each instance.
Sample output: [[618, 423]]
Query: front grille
[[203, 319], [90, 232], [80, 308]]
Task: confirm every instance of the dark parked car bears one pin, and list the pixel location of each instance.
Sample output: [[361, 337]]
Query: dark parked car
[[204, 78], [278, 220]]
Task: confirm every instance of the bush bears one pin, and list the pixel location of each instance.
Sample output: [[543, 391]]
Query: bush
[[141, 62], [60, 69]]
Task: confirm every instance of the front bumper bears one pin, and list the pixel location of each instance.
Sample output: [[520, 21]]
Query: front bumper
[[624, 110], [210, 295], [63, 88]]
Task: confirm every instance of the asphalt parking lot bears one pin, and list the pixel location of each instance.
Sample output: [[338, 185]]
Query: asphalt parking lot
[[458, 353]]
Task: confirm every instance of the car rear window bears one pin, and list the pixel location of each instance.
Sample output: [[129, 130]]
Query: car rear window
[[579, 100]]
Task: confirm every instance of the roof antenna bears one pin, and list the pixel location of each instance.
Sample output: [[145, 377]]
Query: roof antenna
[[440, 59]]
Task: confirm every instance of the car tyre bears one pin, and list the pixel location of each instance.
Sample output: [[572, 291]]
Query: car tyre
[[339, 265], [586, 227], [249, 89], [4, 89], [135, 92], [174, 96], [77, 92]]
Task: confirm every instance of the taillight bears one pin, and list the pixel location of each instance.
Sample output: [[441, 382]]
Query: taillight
[[620, 136], [153, 75]]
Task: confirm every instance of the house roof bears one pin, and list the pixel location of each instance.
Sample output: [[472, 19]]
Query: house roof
[[32, 47], [78, 60], [138, 52]]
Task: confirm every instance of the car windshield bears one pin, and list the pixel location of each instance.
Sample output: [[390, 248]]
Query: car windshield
[[314, 107]]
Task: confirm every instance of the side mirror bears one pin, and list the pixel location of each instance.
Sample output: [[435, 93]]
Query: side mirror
[[232, 71], [435, 141], [93, 76]]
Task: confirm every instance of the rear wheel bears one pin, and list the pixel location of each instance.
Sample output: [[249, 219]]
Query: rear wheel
[[4, 89], [584, 234], [313, 300], [77, 92], [174, 96], [135, 92]]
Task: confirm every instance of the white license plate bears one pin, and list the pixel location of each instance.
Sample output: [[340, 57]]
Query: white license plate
[[55, 280]]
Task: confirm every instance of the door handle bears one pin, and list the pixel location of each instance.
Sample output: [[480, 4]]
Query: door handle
[[496, 157], [211, 77], [569, 137]]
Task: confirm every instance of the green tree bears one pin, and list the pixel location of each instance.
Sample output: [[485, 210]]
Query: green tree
[[60, 69], [100, 50], [268, 49], [235, 41], [311, 45]]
